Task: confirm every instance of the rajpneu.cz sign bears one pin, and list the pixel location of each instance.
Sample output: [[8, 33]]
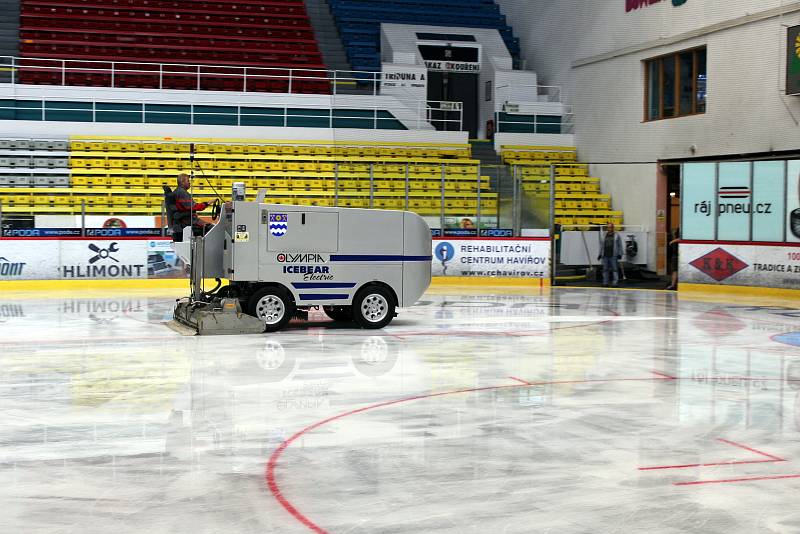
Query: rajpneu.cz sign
[[632, 5]]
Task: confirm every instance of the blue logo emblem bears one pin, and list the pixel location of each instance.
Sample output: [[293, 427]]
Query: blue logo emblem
[[278, 224], [444, 252]]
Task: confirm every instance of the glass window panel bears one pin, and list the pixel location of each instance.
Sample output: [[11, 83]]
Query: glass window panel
[[699, 201], [686, 62], [734, 202], [793, 201], [768, 200], [701, 81], [654, 91], [668, 84]]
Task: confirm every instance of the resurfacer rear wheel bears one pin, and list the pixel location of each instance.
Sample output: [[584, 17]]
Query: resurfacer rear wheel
[[373, 307], [273, 305]]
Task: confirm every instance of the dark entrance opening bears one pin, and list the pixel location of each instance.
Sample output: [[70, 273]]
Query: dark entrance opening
[[673, 173], [453, 77], [455, 87]]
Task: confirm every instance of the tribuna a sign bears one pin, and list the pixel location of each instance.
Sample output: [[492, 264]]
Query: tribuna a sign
[[632, 5]]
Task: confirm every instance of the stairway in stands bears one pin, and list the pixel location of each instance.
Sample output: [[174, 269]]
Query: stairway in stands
[[484, 151], [501, 181], [333, 52], [9, 34], [330, 42], [579, 201]]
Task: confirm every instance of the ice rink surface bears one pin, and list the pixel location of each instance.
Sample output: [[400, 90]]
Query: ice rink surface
[[495, 411]]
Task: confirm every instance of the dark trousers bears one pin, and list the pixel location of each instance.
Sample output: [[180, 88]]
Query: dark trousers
[[610, 267], [198, 229]]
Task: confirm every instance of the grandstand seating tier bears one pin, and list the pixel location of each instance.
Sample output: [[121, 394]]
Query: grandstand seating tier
[[214, 32], [125, 176]]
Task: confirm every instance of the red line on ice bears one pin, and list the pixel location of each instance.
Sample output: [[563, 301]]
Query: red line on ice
[[662, 375], [732, 480], [770, 459], [520, 380], [272, 464]]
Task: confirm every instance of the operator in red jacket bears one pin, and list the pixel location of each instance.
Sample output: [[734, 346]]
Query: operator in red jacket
[[186, 210]]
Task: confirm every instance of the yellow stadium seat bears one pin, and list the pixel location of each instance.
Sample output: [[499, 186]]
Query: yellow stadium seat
[[130, 147]]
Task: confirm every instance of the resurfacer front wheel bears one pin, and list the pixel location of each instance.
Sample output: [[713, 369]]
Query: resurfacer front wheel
[[373, 307], [274, 306]]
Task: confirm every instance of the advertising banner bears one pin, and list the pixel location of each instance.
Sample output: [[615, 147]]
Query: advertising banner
[[741, 201], [698, 200], [519, 257], [793, 61], [793, 201], [98, 259], [88, 259], [740, 265], [21, 261], [163, 262], [103, 259]]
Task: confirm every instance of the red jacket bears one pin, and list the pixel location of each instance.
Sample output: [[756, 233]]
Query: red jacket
[[185, 203]]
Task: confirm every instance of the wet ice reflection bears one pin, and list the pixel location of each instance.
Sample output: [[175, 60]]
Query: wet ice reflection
[[110, 421]]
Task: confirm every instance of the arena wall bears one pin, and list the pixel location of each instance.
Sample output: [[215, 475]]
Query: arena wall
[[595, 51]]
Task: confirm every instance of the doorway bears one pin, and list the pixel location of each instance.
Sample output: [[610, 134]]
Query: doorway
[[673, 173], [455, 87]]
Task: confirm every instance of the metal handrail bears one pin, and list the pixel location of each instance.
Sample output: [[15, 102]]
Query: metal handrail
[[421, 111], [565, 126], [288, 77], [199, 71], [552, 92], [486, 209]]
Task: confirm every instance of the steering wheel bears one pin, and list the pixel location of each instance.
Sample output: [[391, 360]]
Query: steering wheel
[[216, 209]]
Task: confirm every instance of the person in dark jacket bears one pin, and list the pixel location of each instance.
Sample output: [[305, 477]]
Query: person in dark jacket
[[610, 254], [186, 209], [672, 258]]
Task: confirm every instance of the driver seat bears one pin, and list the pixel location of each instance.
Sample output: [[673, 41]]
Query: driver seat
[[170, 206]]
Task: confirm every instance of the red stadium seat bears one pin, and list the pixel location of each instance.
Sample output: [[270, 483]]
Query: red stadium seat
[[228, 33]]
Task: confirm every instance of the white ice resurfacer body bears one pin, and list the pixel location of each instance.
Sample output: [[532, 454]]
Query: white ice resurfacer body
[[355, 264]]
